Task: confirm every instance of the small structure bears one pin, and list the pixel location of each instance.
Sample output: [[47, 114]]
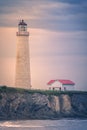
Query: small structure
[[61, 84]]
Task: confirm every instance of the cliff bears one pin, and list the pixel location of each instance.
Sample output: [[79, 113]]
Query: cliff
[[36, 104]]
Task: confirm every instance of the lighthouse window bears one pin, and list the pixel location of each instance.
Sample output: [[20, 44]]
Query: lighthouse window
[[22, 28]]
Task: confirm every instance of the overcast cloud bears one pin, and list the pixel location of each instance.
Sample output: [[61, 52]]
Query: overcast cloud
[[65, 15]]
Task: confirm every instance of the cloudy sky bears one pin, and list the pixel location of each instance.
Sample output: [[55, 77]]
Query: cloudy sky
[[58, 40]]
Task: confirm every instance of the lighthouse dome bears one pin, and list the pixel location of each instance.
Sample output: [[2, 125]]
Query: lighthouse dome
[[22, 23]]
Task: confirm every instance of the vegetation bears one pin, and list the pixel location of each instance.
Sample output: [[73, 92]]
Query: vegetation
[[32, 91]]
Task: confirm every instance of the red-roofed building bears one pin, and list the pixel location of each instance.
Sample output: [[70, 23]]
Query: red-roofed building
[[61, 84]]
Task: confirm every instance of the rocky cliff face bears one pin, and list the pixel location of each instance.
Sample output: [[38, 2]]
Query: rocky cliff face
[[16, 105]]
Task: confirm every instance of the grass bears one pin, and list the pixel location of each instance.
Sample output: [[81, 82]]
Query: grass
[[32, 91]]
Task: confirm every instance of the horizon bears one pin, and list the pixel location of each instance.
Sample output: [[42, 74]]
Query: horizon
[[58, 36]]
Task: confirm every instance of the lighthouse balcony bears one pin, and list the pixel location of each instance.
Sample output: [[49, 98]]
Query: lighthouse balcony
[[22, 33]]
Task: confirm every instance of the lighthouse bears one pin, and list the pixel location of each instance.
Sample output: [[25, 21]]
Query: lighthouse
[[22, 79]]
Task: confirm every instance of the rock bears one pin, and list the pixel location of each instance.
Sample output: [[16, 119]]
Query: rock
[[24, 105], [54, 103], [65, 104]]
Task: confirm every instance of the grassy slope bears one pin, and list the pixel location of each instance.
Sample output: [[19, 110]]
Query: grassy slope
[[46, 92]]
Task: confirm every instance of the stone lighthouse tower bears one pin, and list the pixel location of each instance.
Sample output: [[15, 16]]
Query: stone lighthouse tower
[[22, 79]]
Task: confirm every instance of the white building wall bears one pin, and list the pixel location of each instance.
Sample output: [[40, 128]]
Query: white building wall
[[56, 85], [68, 87]]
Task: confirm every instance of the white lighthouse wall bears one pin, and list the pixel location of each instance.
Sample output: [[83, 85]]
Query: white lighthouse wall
[[22, 63]]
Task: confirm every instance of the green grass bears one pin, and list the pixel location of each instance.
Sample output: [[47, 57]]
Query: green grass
[[32, 91]]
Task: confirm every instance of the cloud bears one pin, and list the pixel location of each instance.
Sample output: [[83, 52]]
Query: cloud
[[71, 1], [51, 15]]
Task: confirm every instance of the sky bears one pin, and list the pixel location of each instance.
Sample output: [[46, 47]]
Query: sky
[[57, 42]]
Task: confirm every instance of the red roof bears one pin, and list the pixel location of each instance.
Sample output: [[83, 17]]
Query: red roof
[[63, 81], [51, 81]]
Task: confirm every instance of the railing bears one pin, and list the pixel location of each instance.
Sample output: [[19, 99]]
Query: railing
[[22, 33]]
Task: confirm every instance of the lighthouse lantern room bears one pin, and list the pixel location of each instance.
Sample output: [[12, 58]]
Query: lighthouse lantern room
[[22, 28]]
